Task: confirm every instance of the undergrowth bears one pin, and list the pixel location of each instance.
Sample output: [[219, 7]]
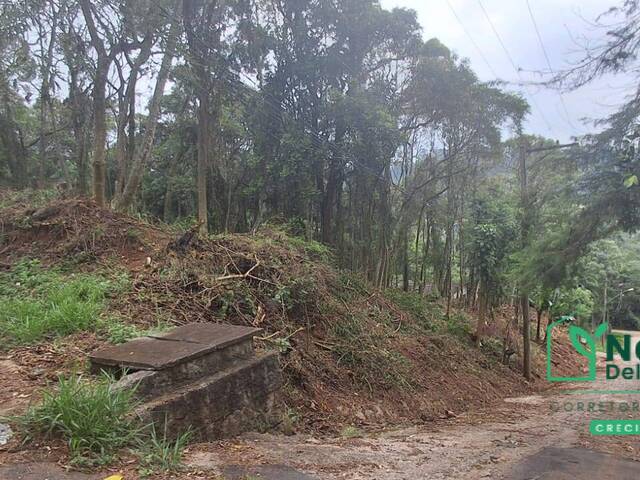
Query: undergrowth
[[367, 353]]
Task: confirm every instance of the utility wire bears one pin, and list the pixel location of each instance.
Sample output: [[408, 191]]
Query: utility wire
[[546, 57], [473, 42], [515, 67]]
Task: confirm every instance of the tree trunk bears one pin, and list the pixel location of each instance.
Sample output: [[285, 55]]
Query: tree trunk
[[126, 120], [100, 132], [538, 321], [524, 299], [137, 169], [203, 162]]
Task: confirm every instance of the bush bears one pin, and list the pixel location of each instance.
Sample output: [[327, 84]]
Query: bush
[[91, 416]]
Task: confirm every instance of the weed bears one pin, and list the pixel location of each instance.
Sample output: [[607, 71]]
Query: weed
[[290, 418], [352, 286], [158, 453], [458, 324], [428, 315], [314, 250], [91, 416]]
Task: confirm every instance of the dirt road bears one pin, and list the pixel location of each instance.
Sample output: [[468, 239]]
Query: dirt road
[[539, 437], [523, 438]]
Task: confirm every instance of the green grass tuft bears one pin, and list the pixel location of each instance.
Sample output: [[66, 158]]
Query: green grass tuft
[[91, 416], [159, 453], [96, 420]]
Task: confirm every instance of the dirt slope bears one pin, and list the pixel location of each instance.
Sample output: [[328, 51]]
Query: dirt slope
[[350, 354]]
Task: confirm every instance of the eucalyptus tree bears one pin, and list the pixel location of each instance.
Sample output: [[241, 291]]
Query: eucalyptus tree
[[112, 31]]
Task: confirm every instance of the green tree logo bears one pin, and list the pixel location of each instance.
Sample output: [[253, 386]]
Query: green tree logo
[[584, 343]]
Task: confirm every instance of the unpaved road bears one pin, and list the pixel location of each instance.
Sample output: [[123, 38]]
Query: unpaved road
[[520, 438], [523, 438]]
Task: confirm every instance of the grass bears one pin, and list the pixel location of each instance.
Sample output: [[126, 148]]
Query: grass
[[91, 416], [95, 420], [116, 331], [160, 453], [37, 303]]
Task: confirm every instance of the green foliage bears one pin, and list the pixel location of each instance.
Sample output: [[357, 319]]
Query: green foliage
[[95, 419], [459, 325], [576, 302], [297, 293], [313, 249], [428, 315], [611, 268], [492, 240], [351, 286], [90, 415], [36, 303]]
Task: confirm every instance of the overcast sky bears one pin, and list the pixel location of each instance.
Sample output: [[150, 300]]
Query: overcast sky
[[563, 26]]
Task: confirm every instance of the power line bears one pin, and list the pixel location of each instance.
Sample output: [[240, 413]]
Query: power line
[[515, 67], [473, 42], [546, 56]]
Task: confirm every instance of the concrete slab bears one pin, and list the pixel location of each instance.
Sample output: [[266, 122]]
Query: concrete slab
[[264, 472], [217, 335], [574, 463], [178, 346]]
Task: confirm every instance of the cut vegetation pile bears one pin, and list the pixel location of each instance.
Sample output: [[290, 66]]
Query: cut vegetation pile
[[350, 353]]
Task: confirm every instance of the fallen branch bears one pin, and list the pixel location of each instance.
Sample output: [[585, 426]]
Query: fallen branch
[[240, 275]]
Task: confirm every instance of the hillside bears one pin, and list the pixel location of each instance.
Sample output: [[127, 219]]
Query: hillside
[[350, 354]]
